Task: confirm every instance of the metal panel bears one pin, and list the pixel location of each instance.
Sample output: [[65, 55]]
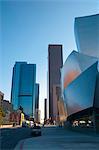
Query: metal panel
[[79, 94]]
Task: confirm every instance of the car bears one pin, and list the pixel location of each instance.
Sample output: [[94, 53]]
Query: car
[[36, 131]]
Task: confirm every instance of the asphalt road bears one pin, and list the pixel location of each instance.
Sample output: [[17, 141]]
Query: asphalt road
[[55, 138], [11, 136]]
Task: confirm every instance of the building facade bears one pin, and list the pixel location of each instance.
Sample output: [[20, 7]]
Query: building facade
[[37, 117], [36, 96], [55, 62], [23, 87], [7, 106], [80, 86], [1, 98], [80, 75], [87, 35], [45, 109], [37, 111], [56, 97]]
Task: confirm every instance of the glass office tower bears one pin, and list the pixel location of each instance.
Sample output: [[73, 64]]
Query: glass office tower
[[23, 87]]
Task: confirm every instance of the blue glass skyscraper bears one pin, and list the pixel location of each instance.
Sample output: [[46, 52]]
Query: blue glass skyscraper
[[23, 87]]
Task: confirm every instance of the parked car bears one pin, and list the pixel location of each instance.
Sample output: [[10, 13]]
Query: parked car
[[36, 131]]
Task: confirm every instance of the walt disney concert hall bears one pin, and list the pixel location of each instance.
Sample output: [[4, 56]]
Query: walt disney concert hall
[[80, 75]]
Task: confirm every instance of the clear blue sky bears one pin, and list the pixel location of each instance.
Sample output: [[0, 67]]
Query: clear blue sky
[[28, 26]]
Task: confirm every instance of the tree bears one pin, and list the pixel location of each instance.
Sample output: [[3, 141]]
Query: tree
[[2, 113]]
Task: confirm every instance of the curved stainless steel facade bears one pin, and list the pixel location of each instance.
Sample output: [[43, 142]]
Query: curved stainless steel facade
[[79, 78], [79, 75], [79, 94], [75, 64], [87, 35]]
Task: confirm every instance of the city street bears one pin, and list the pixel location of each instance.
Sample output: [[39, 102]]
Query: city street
[[55, 138], [9, 137]]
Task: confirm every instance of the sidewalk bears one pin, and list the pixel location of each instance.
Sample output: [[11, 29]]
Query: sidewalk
[[59, 139], [6, 126], [9, 126]]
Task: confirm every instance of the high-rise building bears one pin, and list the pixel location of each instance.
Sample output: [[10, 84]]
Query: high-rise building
[[36, 96], [45, 109], [37, 111], [23, 87], [56, 98], [37, 117], [55, 63], [87, 35]]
